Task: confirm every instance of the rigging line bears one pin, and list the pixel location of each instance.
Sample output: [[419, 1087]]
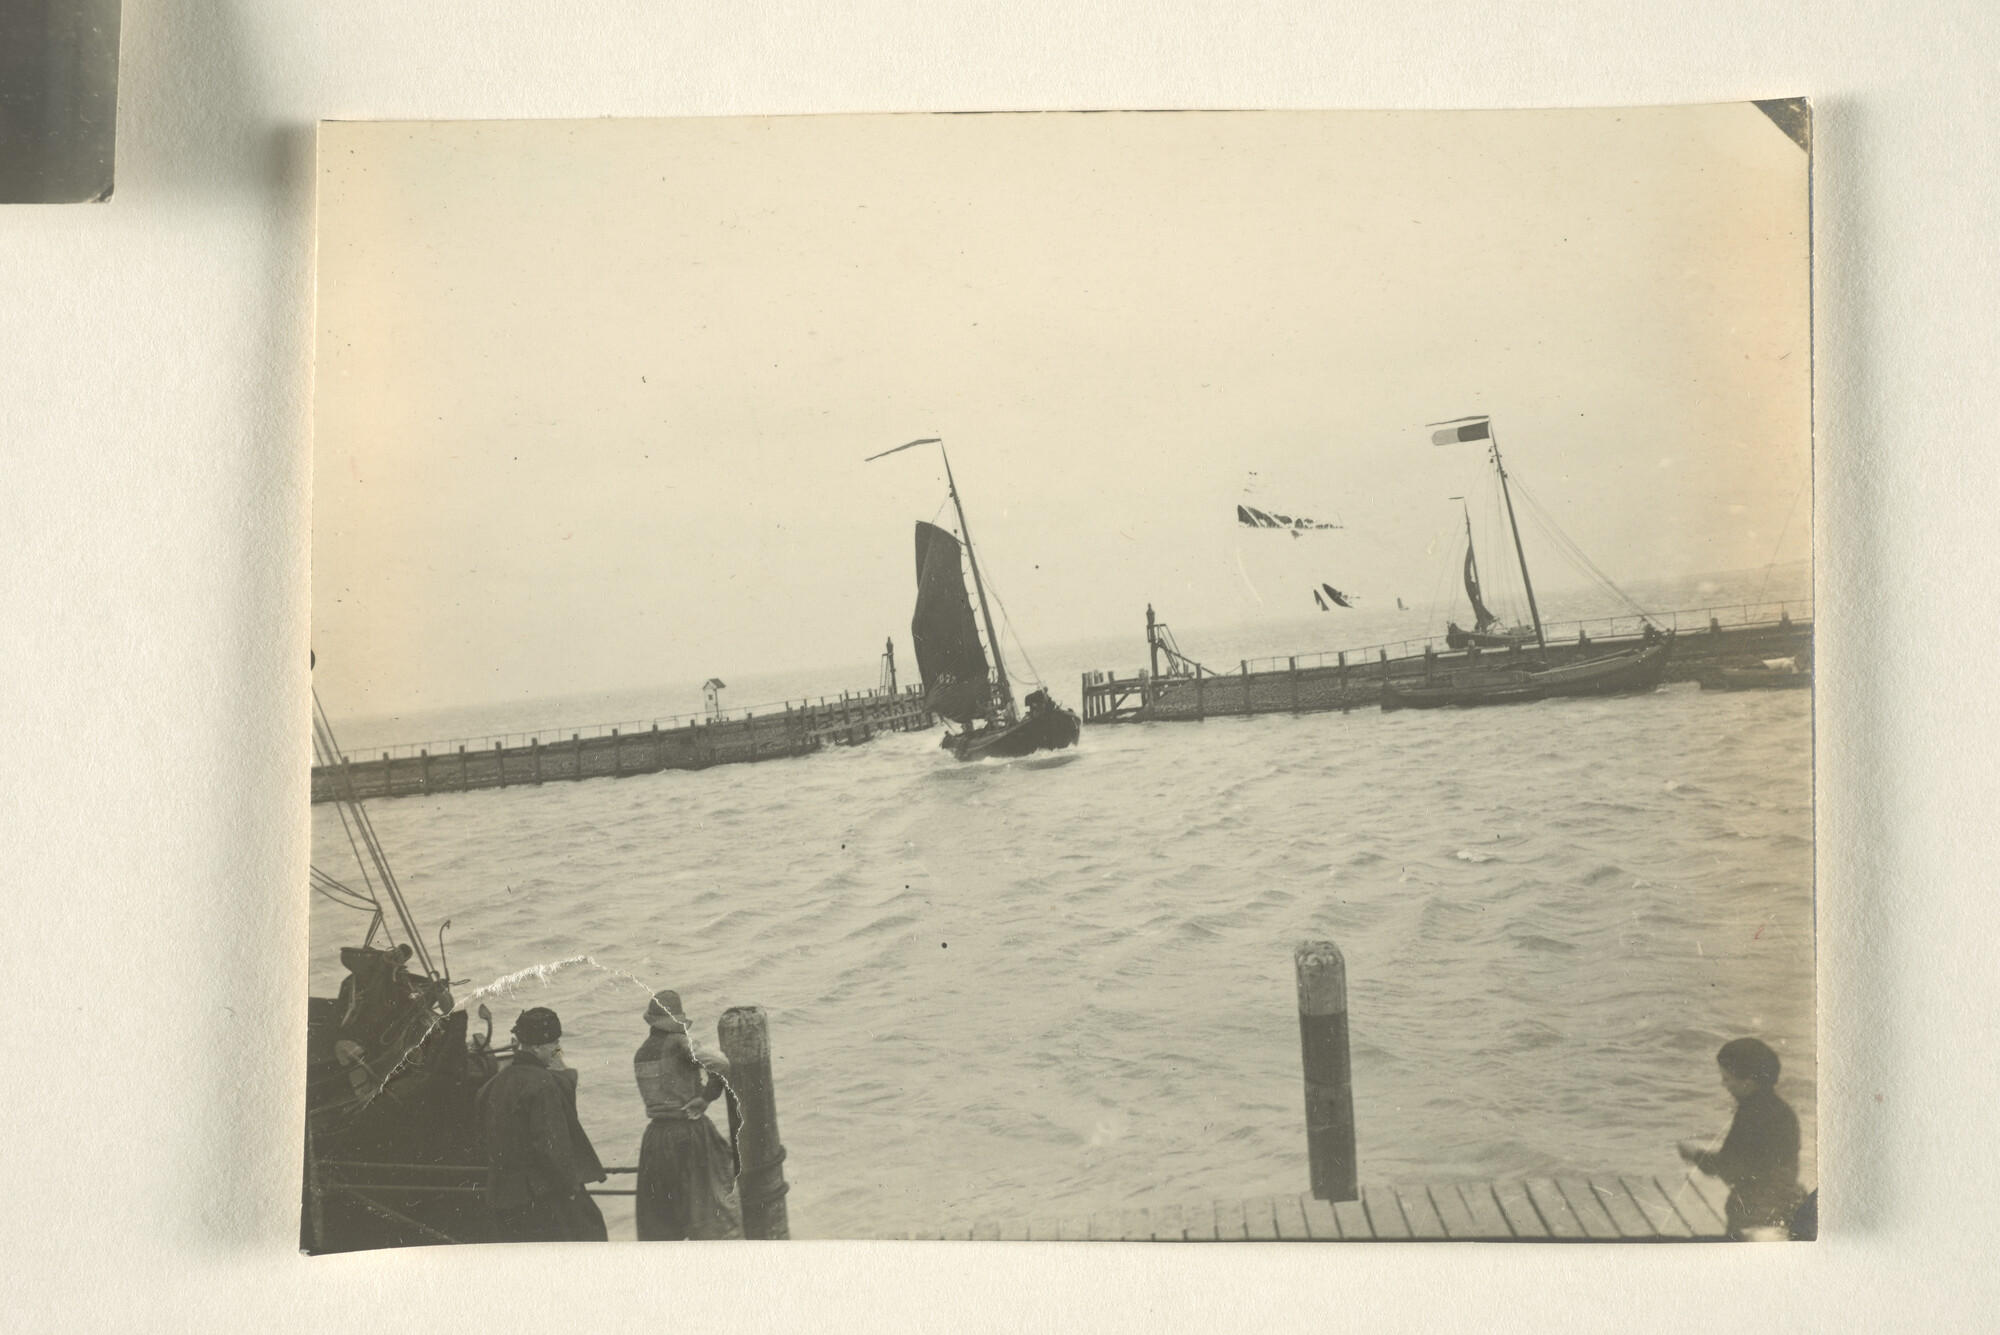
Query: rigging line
[[1008, 622], [367, 829], [321, 878], [1452, 557], [395, 892], [1797, 496], [381, 860], [330, 886], [1568, 546], [381, 921], [329, 758], [1575, 555], [323, 739], [358, 905]]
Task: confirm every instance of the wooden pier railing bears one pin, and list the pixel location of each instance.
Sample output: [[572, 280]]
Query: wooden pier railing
[[1352, 679], [615, 752]]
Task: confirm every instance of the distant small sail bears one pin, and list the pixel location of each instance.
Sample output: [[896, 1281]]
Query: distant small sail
[[1336, 595], [1400, 607], [1321, 601]]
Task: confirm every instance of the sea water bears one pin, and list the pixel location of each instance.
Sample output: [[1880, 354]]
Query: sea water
[[1060, 985]]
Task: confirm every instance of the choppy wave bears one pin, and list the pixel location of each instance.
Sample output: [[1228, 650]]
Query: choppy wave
[[1052, 988]]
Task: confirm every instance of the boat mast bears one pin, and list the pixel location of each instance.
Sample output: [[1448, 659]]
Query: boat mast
[[992, 638], [1526, 583]]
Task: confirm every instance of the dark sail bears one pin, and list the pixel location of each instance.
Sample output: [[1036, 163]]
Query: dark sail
[[949, 656], [1482, 618]]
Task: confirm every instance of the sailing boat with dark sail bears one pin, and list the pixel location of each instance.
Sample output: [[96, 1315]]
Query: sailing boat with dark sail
[[959, 682], [1628, 671], [1485, 630]]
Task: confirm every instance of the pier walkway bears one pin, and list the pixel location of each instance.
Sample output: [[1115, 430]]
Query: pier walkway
[[1704, 639], [619, 751], [1571, 1209]]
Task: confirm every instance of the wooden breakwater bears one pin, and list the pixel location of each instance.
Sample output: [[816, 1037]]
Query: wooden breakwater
[[1352, 679], [617, 752]]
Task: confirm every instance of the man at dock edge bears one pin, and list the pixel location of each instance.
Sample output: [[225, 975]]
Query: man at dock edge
[[538, 1153], [1759, 1158], [687, 1172]]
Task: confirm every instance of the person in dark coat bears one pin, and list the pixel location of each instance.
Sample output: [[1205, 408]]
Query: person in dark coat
[[537, 1152], [687, 1173], [1759, 1158], [589, 1220]]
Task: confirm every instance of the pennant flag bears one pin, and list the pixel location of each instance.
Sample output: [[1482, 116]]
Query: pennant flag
[[1336, 595], [1321, 601], [1254, 518], [1466, 429]]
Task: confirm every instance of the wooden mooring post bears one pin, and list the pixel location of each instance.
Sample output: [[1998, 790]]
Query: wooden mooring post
[[1322, 977], [745, 1039]]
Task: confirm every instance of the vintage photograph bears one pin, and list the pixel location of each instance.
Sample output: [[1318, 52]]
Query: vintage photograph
[[1101, 676]]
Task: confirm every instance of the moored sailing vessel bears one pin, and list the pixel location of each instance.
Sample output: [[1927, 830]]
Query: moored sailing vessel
[[960, 684], [1628, 671]]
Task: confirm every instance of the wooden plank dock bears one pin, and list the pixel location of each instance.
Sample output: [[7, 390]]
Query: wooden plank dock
[[617, 752], [1352, 678], [1557, 1209]]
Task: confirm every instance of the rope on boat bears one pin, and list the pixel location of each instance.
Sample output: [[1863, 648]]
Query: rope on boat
[[1796, 498], [1034, 674], [993, 591], [1570, 550], [342, 894], [327, 751]]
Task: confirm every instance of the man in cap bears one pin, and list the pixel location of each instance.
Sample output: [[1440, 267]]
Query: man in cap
[[1759, 1158], [538, 1154], [687, 1174]]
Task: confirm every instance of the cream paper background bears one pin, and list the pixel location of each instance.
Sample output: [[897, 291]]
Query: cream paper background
[[157, 381]]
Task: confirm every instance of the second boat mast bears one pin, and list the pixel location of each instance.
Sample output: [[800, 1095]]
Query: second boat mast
[[1526, 583]]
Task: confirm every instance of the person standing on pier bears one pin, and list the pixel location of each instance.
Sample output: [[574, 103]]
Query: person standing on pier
[[687, 1173], [1759, 1158], [538, 1153]]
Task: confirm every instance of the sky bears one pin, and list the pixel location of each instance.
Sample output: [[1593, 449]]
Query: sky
[[592, 398]]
